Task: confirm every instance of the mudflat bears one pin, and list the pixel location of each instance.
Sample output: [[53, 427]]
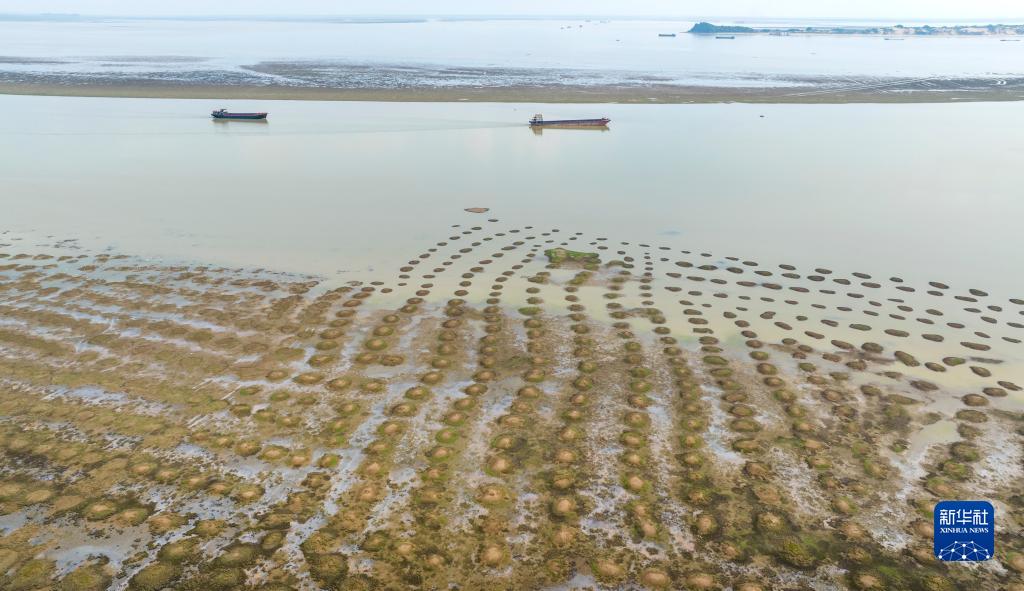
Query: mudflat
[[513, 406]]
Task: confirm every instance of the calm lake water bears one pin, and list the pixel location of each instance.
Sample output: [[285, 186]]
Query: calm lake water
[[577, 51], [926, 192]]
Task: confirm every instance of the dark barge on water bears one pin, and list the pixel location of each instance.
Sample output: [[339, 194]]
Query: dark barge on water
[[539, 121], [224, 114]]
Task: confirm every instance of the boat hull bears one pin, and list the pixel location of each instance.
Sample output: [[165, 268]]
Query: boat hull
[[241, 116], [603, 122]]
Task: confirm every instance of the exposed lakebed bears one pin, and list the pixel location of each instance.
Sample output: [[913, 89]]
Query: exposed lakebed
[[513, 407]]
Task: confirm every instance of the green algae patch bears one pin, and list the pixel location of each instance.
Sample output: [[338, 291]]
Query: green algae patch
[[33, 574], [797, 551], [238, 555], [100, 510], [92, 577], [562, 255], [154, 577], [221, 578], [208, 528], [329, 569], [179, 551]]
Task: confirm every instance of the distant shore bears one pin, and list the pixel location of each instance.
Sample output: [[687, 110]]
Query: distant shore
[[898, 31], [912, 91]]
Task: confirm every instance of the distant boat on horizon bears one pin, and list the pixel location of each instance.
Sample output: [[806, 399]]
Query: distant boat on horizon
[[225, 114], [725, 36]]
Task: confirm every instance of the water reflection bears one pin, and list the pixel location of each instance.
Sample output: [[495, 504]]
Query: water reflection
[[240, 121]]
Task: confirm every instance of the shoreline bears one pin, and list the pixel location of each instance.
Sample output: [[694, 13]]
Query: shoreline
[[947, 91]]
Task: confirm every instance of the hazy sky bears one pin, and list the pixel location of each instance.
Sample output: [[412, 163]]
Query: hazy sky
[[882, 9]]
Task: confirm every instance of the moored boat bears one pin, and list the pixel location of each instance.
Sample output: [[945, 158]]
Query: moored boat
[[225, 114], [538, 121]]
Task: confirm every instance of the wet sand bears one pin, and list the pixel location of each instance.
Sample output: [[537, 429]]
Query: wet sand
[[514, 407], [821, 92]]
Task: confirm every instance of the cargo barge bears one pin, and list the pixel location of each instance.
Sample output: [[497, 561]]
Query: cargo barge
[[538, 121], [224, 114]]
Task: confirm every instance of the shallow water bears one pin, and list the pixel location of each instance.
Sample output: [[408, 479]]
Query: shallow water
[[925, 192]]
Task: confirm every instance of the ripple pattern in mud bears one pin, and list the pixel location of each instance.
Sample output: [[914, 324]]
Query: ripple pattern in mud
[[512, 408]]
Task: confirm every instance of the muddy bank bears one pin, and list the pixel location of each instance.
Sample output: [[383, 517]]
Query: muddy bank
[[240, 86]]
